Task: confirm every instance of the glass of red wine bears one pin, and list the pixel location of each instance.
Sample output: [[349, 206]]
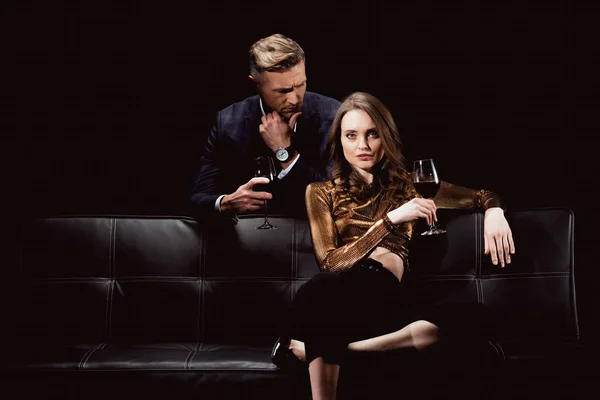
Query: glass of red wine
[[265, 168], [427, 183]]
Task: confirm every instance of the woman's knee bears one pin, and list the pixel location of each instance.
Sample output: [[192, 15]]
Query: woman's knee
[[424, 334]]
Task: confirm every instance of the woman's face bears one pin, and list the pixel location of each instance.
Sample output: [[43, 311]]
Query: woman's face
[[360, 141]]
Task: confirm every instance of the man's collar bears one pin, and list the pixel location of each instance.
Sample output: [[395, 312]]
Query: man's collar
[[262, 110]]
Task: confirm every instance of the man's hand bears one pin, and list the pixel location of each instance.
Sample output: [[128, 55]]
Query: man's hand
[[244, 199], [498, 240], [275, 132]]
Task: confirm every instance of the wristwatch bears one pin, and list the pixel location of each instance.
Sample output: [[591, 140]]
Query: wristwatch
[[284, 154]]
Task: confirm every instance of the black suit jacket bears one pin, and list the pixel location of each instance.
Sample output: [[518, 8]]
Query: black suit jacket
[[227, 160]]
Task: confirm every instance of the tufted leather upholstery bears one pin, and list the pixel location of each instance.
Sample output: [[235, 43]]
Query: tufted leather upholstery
[[166, 304]]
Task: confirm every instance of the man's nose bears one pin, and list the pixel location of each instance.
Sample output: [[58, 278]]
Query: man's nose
[[293, 97]]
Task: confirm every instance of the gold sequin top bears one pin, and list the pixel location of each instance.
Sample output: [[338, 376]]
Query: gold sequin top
[[345, 230]]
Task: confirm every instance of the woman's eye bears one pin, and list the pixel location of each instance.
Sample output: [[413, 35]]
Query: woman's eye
[[350, 135], [373, 134]]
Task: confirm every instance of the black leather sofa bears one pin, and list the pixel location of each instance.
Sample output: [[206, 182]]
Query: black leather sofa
[[112, 306]]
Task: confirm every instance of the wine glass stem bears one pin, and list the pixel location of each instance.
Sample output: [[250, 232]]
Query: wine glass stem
[[266, 215]]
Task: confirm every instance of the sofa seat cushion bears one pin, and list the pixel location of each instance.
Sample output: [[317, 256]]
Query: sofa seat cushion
[[46, 356], [564, 358], [161, 370], [159, 356]]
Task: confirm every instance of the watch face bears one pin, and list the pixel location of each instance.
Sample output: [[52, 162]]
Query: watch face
[[281, 154]]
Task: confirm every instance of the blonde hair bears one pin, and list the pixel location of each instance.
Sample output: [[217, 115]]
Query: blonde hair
[[275, 53]]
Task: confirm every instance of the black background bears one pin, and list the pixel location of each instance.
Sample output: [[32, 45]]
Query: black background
[[104, 105]]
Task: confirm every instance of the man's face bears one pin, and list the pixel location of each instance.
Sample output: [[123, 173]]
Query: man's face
[[283, 91]]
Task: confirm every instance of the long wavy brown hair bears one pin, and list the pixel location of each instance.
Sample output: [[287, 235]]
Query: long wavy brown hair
[[391, 179]]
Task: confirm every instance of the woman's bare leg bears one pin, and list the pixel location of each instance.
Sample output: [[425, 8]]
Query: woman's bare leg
[[419, 334], [323, 379]]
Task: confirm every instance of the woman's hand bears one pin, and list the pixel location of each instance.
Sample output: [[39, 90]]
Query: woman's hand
[[412, 210], [498, 240]]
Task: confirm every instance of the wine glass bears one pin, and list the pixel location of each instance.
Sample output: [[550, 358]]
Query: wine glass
[[427, 183], [265, 168]]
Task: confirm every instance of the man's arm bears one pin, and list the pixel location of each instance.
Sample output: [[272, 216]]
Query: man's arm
[[304, 172], [313, 159], [298, 171], [205, 188]]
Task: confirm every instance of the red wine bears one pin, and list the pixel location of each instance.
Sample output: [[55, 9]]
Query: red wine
[[427, 189], [260, 187]]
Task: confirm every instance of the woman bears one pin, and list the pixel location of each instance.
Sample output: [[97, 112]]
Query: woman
[[361, 223]]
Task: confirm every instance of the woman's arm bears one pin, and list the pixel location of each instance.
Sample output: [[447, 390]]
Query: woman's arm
[[324, 234], [454, 196], [498, 240]]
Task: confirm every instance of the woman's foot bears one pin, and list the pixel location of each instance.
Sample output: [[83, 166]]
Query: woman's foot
[[288, 353], [297, 347]]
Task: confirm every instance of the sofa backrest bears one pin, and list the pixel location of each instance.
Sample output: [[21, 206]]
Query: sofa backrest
[[533, 297], [158, 279], [96, 279]]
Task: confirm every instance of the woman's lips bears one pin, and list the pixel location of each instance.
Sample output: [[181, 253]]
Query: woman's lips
[[364, 156]]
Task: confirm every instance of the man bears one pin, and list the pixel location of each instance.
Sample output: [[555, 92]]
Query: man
[[283, 121]]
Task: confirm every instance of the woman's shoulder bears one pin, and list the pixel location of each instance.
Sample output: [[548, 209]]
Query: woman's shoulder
[[322, 185], [321, 189]]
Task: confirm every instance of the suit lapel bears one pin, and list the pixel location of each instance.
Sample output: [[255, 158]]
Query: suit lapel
[[255, 144]]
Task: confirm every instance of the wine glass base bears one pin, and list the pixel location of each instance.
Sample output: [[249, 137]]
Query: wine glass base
[[433, 231], [266, 225]]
